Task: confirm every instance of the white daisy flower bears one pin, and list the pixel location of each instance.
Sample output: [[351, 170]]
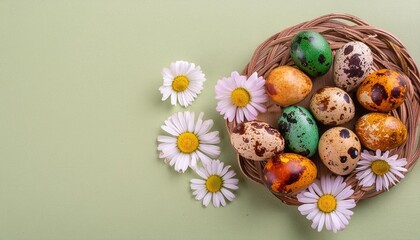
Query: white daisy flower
[[189, 141], [215, 185], [183, 81], [241, 98], [379, 169], [326, 202]]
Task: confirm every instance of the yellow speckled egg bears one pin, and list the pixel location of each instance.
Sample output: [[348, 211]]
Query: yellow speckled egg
[[289, 173], [287, 85], [382, 91], [380, 131]]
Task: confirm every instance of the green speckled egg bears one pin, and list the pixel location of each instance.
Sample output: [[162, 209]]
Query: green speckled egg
[[311, 53], [299, 129]]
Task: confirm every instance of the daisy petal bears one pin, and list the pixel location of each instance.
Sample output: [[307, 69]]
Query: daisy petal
[[216, 200], [328, 224], [228, 194], [207, 199], [201, 172], [221, 198], [198, 181], [200, 194], [317, 220], [312, 214], [321, 222]]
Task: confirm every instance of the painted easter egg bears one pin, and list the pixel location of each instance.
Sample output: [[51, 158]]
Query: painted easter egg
[[311, 52], [299, 129]]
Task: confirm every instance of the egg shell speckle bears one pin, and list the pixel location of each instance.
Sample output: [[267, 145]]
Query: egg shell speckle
[[311, 52], [289, 173], [299, 129], [332, 106], [380, 131], [353, 62], [256, 140], [382, 91], [339, 149], [287, 85]]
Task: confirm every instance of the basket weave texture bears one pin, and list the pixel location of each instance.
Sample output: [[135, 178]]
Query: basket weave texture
[[338, 29]]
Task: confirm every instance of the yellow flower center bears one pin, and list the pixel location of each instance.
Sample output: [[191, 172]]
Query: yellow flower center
[[240, 97], [180, 83], [380, 167], [214, 183], [327, 203], [187, 142]]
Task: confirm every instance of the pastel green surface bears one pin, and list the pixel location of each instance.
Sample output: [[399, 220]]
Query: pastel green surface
[[80, 111]]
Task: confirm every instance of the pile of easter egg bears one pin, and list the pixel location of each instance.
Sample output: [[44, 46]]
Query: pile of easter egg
[[290, 148]]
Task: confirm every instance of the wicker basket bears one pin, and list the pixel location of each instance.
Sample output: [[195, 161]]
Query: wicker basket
[[338, 29]]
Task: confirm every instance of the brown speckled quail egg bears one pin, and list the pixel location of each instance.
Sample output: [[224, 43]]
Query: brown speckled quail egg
[[353, 62], [339, 150], [256, 140], [332, 106]]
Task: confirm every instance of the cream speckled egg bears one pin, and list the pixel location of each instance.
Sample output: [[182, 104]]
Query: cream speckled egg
[[339, 150], [353, 62], [332, 106], [256, 140]]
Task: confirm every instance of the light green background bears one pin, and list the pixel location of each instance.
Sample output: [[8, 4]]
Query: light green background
[[80, 111]]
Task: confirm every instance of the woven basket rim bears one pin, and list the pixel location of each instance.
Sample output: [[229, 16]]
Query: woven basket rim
[[389, 52]]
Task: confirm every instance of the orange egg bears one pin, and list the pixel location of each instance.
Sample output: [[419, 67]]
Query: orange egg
[[382, 91], [380, 131], [289, 173], [287, 85]]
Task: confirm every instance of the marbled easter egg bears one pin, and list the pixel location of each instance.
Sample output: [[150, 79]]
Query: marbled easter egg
[[380, 131], [299, 129], [289, 173]]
